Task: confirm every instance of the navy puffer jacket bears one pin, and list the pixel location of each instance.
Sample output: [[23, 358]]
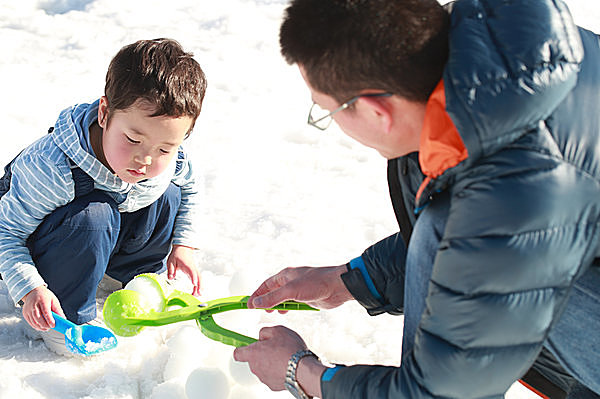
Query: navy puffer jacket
[[522, 87]]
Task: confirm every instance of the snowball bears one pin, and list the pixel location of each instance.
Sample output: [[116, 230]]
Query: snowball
[[168, 390], [207, 383], [151, 291], [185, 353], [185, 339], [240, 372], [241, 392], [244, 282]]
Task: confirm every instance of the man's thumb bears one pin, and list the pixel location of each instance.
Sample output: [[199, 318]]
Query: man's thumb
[[239, 354], [268, 300]]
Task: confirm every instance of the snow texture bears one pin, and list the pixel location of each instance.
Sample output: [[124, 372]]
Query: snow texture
[[277, 192]]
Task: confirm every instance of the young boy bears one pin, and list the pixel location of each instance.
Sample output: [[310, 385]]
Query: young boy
[[108, 190]]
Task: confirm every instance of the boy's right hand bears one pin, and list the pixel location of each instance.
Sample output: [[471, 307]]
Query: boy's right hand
[[37, 307]]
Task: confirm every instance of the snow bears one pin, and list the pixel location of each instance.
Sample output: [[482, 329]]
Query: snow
[[277, 192], [207, 383]]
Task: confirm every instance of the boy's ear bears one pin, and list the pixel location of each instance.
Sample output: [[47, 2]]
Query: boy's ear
[[381, 110], [103, 112]]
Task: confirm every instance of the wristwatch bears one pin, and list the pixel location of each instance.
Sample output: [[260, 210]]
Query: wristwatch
[[291, 384]]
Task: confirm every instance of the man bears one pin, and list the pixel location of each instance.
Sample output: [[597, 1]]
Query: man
[[488, 113]]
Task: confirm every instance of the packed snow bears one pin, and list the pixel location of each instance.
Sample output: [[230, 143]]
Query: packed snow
[[277, 192]]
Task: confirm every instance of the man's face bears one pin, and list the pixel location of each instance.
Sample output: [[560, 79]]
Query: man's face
[[392, 126], [351, 121]]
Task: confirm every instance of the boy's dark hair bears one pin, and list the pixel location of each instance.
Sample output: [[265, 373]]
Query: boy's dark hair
[[158, 72], [345, 46]]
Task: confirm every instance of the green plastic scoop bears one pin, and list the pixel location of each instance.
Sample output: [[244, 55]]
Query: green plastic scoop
[[127, 312]]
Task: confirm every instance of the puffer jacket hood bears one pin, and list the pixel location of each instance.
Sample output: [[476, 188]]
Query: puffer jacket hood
[[507, 71]]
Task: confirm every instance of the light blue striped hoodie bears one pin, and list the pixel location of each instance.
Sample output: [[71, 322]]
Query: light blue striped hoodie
[[42, 182]]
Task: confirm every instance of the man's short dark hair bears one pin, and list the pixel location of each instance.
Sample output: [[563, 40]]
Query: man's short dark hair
[[158, 72], [345, 46]]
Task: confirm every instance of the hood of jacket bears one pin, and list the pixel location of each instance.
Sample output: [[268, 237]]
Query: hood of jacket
[[495, 93]]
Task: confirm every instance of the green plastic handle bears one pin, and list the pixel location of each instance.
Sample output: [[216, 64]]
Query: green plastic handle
[[125, 314], [194, 309], [212, 330], [241, 302]]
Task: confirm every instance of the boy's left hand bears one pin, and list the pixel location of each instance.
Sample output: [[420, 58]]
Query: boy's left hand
[[182, 258]]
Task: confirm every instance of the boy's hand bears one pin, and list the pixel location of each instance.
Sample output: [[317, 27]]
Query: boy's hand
[[37, 305], [182, 258]]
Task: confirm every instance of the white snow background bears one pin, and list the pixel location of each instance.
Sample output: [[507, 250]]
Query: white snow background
[[277, 192]]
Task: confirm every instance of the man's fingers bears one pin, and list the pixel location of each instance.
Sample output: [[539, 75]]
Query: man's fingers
[[289, 292], [266, 333], [241, 354], [275, 282], [271, 299], [268, 285], [244, 353]]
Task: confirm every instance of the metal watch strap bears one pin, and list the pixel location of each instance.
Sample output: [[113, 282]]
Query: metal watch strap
[[291, 383]]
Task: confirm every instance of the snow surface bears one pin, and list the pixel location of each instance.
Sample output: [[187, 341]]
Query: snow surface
[[278, 192]]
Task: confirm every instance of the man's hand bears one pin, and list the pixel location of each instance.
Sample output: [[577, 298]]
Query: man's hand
[[320, 287], [268, 359], [37, 305], [182, 258]]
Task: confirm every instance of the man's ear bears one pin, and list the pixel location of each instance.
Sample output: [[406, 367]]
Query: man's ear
[[103, 112], [380, 109]]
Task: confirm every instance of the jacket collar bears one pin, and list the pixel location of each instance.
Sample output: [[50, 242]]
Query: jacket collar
[[441, 146]]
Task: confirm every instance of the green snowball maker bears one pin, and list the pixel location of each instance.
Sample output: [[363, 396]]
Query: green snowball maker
[[127, 312]]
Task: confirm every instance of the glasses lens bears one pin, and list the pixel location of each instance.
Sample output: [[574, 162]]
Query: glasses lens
[[319, 117]]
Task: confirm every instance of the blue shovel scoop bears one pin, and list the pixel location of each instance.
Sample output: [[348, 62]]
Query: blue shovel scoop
[[85, 339]]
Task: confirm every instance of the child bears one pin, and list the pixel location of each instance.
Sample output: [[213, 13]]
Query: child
[[108, 190]]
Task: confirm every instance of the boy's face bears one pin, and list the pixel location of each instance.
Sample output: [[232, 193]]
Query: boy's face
[[138, 146]]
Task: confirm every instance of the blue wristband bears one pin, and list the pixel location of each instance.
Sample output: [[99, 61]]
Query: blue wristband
[[358, 263], [329, 373]]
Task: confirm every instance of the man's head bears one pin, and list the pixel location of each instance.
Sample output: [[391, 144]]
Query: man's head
[[159, 74], [348, 46]]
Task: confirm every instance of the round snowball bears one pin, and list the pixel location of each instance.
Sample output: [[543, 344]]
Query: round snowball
[[150, 290], [240, 372], [243, 392], [207, 383]]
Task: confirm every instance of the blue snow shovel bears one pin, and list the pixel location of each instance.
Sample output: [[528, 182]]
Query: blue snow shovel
[[85, 339]]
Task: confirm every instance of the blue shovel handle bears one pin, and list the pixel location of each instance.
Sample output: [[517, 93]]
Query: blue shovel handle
[[85, 339], [62, 324]]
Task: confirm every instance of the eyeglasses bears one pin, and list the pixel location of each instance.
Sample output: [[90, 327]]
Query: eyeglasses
[[321, 118]]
